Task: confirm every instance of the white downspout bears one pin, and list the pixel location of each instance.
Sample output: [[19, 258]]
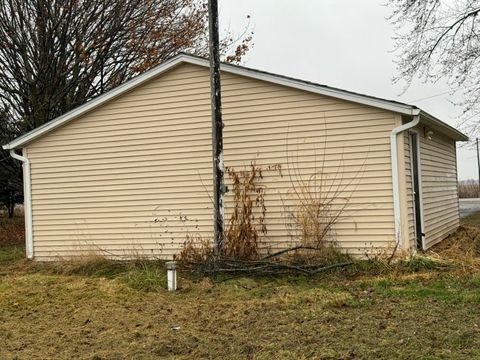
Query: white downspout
[[27, 202], [395, 179]]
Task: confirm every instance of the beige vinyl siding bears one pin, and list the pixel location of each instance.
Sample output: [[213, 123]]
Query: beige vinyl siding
[[307, 133], [439, 186], [133, 177]]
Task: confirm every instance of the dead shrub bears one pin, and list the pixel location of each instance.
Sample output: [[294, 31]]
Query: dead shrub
[[317, 202], [316, 210], [240, 252], [247, 221], [195, 250]]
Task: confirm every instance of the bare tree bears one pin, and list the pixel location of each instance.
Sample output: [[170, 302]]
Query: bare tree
[[57, 54], [439, 39]]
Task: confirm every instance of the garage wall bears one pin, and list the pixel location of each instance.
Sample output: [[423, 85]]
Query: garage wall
[[343, 147], [133, 177], [439, 185]]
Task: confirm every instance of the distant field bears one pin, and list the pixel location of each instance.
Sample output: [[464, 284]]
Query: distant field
[[468, 189], [425, 308]]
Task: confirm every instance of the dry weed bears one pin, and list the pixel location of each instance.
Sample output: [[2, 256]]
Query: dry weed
[[247, 222], [195, 250], [468, 189], [461, 248], [12, 231], [317, 202]]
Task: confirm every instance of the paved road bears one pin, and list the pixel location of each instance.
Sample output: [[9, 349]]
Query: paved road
[[469, 206]]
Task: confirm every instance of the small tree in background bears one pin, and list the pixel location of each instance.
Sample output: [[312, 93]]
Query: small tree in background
[[11, 191]]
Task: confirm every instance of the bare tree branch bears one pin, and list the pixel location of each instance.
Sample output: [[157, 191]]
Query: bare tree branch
[[57, 54], [439, 39]]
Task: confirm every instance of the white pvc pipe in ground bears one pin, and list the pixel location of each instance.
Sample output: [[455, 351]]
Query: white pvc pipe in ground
[[171, 275]]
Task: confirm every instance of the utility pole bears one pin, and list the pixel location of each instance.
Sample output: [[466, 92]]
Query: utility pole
[[217, 127], [478, 167]]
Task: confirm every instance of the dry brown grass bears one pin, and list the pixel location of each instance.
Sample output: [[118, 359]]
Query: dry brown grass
[[104, 309], [195, 250], [462, 248], [78, 312], [468, 189], [12, 231]]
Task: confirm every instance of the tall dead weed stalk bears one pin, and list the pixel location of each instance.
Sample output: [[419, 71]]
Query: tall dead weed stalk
[[247, 219], [317, 201]]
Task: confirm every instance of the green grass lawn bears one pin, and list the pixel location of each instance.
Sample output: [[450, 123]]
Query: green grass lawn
[[101, 309]]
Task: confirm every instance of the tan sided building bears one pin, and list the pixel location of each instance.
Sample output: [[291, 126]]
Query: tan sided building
[[130, 172]]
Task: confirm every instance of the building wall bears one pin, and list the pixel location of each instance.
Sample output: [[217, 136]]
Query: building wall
[[439, 185], [133, 177], [439, 188]]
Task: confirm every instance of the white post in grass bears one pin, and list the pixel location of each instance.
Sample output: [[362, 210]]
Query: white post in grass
[[171, 275]]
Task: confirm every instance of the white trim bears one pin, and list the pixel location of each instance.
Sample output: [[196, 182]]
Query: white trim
[[420, 190], [397, 213], [443, 127], [321, 89], [27, 194], [255, 74]]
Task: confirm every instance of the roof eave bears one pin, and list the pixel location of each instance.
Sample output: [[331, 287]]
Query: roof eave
[[445, 128], [256, 74]]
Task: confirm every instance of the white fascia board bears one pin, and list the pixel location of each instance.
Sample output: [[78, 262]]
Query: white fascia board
[[311, 87], [443, 127], [184, 58]]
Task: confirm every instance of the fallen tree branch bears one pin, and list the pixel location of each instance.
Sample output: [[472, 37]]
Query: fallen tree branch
[[261, 267], [330, 267], [284, 251]]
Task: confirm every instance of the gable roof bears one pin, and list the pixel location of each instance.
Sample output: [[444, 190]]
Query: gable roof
[[390, 105]]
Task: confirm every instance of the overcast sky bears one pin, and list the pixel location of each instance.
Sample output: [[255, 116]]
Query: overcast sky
[[341, 43]]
